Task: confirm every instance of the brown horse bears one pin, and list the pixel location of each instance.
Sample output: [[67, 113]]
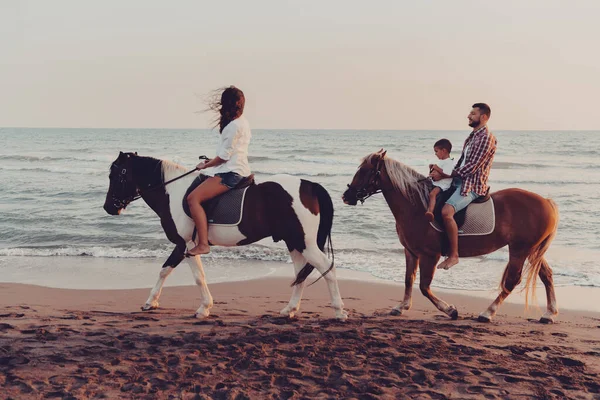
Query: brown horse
[[525, 222]]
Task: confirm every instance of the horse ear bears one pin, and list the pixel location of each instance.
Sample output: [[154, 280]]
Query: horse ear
[[383, 154]]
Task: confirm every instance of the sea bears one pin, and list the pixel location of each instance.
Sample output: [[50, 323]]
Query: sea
[[53, 183]]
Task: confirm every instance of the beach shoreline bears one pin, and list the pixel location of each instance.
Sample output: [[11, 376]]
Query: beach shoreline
[[97, 343], [96, 273]]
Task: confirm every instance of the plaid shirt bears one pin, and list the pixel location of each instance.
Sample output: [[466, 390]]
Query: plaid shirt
[[476, 171]]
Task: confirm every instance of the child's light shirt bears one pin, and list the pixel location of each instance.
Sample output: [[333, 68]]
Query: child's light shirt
[[447, 166]]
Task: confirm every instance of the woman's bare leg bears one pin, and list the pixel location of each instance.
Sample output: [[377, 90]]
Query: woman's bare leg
[[207, 190]]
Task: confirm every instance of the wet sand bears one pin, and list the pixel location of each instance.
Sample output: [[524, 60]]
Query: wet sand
[[62, 343]]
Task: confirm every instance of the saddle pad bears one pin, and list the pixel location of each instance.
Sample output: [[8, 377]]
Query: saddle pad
[[225, 210], [480, 219]]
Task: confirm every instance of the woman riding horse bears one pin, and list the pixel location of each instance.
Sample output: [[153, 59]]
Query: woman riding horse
[[230, 165]]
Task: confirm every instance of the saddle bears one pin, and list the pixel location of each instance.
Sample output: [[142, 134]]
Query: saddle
[[478, 218], [225, 209]]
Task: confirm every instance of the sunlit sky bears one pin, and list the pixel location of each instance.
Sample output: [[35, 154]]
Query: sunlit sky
[[302, 64]]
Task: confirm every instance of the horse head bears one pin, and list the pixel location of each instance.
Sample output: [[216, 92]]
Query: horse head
[[367, 180], [122, 189]]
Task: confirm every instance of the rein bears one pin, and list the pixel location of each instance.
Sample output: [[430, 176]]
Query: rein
[[139, 194]]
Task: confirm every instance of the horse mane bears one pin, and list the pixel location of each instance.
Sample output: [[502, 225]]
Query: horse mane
[[171, 170], [406, 180]]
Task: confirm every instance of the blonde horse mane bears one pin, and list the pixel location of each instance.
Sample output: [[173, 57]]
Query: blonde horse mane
[[405, 179], [171, 169]]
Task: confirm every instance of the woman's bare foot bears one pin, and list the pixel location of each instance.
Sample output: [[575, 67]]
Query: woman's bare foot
[[198, 250], [429, 216]]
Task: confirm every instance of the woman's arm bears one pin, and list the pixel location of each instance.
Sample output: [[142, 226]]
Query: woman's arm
[[211, 163], [229, 136]]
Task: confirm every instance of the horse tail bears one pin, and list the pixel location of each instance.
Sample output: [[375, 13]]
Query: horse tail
[[535, 259], [323, 233]]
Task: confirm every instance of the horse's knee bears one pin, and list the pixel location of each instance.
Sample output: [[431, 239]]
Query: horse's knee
[[511, 283], [424, 288]]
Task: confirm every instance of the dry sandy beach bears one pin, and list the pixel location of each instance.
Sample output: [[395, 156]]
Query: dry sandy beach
[[59, 343]]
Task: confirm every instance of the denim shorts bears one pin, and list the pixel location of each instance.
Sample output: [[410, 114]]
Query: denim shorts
[[230, 179], [457, 200]]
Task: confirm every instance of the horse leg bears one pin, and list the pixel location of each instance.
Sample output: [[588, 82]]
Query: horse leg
[[206, 301], [320, 261], [168, 267], [412, 263], [510, 279], [427, 270], [551, 307], [293, 306], [152, 302]]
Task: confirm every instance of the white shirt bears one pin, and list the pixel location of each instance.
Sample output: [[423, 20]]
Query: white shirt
[[447, 166], [233, 147]]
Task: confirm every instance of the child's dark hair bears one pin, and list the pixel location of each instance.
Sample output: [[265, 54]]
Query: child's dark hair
[[443, 144]]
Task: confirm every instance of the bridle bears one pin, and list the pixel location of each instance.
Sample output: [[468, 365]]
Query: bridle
[[125, 176], [373, 185]]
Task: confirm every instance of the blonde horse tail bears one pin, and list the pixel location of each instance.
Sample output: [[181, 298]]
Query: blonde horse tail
[[536, 257]]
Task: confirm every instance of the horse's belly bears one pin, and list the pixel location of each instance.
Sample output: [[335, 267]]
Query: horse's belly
[[224, 235]]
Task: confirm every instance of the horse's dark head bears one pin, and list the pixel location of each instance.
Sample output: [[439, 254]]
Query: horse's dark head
[[122, 189], [366, 181]]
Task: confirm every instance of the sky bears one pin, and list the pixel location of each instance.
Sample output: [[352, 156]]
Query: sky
[[301, 64]]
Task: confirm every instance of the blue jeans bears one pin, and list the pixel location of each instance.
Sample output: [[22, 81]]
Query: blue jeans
[[230, 179], [457, 200]]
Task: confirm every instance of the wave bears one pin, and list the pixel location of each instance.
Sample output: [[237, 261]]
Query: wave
[[299, 174], [55, 170], [262, 158], [30, 158], [254, 252], [513, 165], [516, 181], [324, 160]]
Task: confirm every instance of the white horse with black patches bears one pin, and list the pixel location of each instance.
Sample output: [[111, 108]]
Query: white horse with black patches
[[287, 208]]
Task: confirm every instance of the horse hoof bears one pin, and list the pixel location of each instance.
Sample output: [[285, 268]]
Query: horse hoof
[[148, 307], [202, 313], [341, 315], [483, 318], [289, 314], [454, 314], [396, 311], [547, 320]]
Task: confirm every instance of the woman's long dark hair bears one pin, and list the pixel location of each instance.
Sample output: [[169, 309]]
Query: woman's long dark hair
[[229, 103]]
